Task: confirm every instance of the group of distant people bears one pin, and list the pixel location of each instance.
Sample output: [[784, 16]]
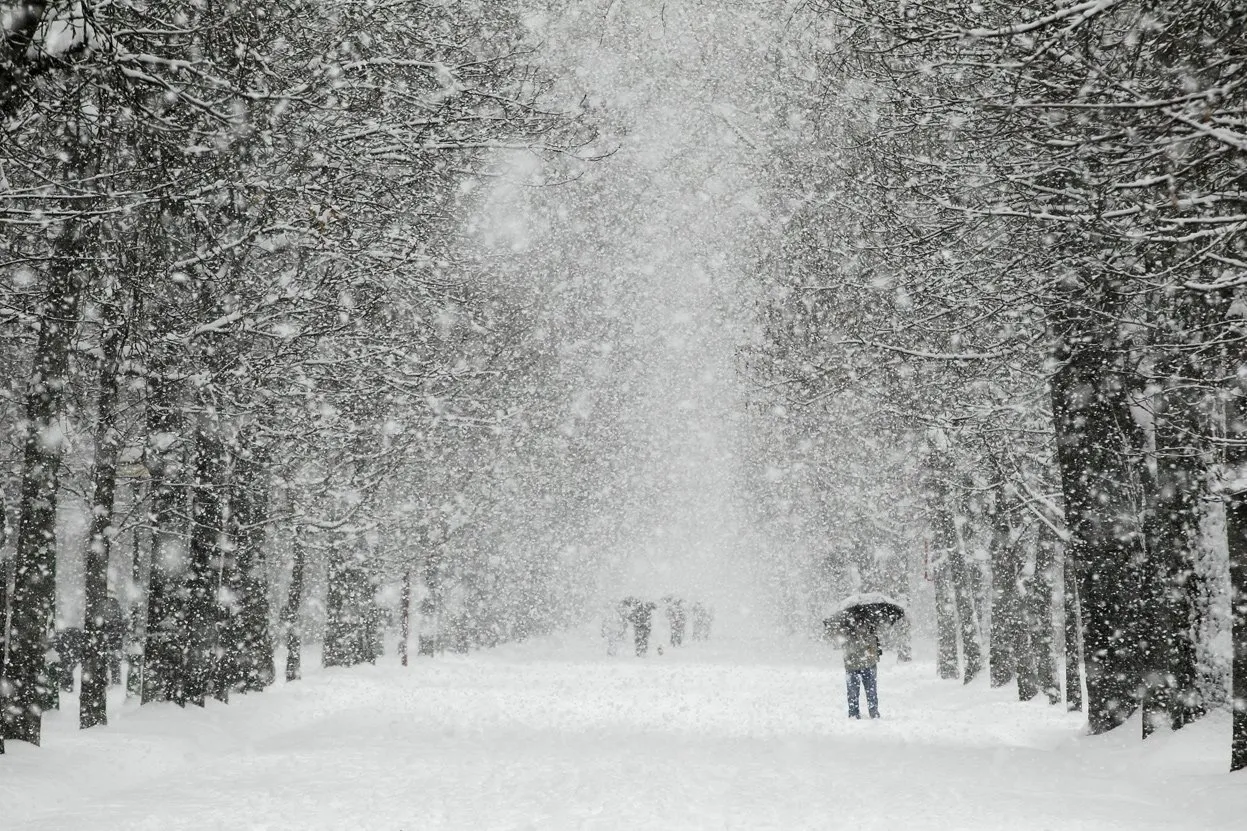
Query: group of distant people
[[639, 615]]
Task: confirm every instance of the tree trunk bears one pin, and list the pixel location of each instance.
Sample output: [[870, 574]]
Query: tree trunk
[[1041, 614], [92, 704], [1093, 430], [945, 624], [954, 608], [1236, 535], [963, 596], [1004, 605], [18, 60], [1023, 649], [163, 660], [1236, 540], [294, 600], [138, 606], [1172, 529], [5, 570], [1073, 636], [405, 602], [201, 609], [25, 688], [248, 628], [347, 608]]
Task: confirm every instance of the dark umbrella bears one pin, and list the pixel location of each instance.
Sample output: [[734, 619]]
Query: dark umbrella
[[866, 611]]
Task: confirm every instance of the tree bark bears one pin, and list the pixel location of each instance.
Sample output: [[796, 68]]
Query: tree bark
[[202, 614], [138, 607], [1236, 535], [346, 607], [1172, 531], [5, 578], [1073, 636], [945, 624], [954, 607], [1023, 648], [248, 628], [1093, 428], [163, 661], [25, 689], [92, 704], [1236, 540], [1005, 607], [405, 601], [1041, 614], [294, 600], [17, 59], [4, 618], [967, 620]]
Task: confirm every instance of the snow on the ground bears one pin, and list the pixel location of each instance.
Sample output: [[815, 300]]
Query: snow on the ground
[[554, 735]]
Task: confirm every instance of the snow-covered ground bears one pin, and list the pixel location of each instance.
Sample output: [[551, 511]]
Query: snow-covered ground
[[724, 735]]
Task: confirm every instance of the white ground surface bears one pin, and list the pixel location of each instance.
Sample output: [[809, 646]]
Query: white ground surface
[[725, 735]]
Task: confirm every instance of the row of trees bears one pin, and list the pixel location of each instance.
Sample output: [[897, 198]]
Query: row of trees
[[1014, 248], [244, 334]]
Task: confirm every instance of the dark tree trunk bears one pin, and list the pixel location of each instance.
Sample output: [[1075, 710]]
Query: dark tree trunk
[[92, 705], [1004, 596], [1024, 649], [290, 615], [5, 571], [18, 60], [954, 607], [945, 624], [163, 661], [248, 628], [1041, 614], [1236, 540], [25, 688], [1073, 635], [202, 612], [1094, 433], [348, 607], [1028, 682], [966, 617], [138, 611], [405, 601], [1172, 531], [1236, 535]]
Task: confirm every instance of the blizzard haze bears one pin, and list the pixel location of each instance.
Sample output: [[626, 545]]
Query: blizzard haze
[[638, 262], [623, 414]]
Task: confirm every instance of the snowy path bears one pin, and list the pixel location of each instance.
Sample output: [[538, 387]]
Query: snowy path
[[719, 736]]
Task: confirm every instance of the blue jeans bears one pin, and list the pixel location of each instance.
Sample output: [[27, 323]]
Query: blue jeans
[[868, 679]]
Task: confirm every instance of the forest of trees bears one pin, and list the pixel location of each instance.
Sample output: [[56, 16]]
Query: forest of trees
[[239, 328], [999, 309], [1013, 252]]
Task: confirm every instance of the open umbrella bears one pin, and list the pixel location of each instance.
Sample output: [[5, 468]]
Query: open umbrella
[[868, 610]]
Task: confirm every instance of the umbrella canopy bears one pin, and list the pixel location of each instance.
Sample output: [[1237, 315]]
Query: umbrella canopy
[[868, 610]]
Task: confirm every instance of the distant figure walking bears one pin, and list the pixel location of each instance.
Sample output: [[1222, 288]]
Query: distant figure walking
[[641, 617], [676, 618], [861, 659]]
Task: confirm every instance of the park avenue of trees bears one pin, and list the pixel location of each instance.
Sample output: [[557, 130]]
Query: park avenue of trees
[[997, 335]]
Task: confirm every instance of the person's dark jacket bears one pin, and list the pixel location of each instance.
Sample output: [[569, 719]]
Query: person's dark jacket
[[861, 649]]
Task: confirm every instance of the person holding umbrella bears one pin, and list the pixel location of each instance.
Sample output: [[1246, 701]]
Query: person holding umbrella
[[861, 665], [855, 628]]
